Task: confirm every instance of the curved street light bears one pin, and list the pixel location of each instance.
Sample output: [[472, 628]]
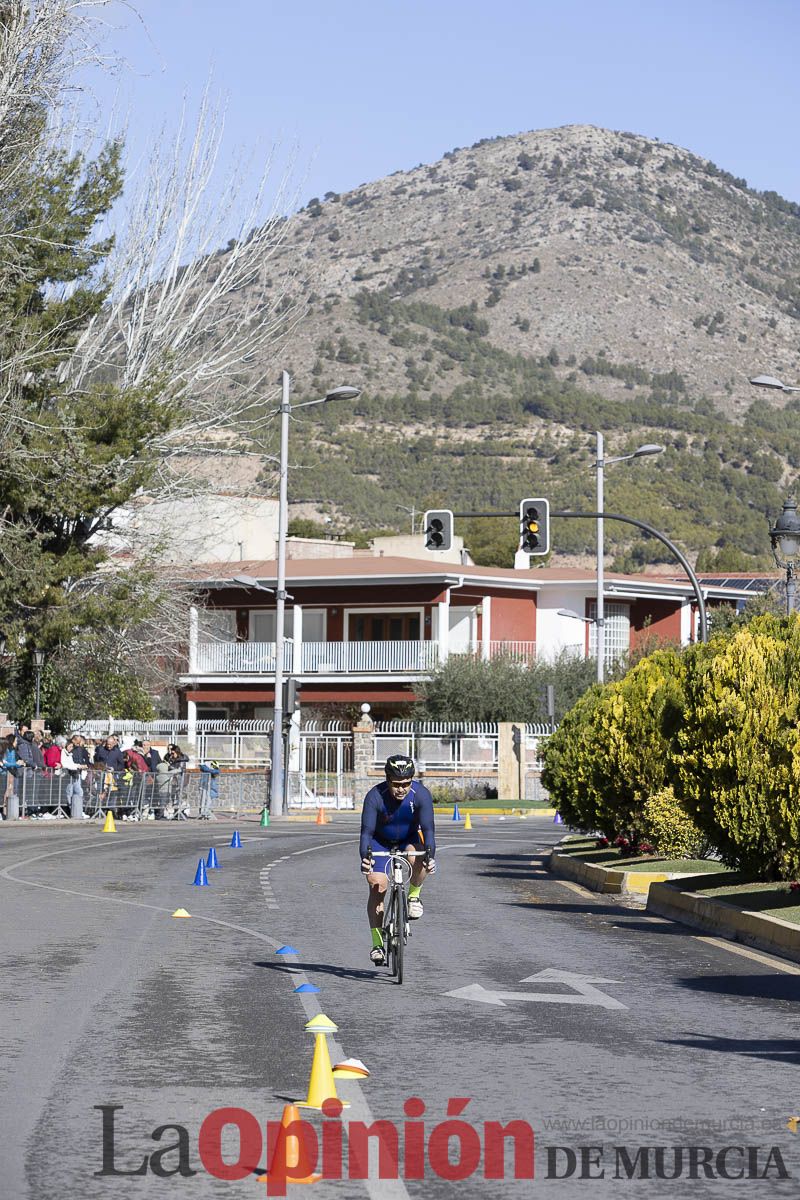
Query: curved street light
[[600, 465], [345, 392], [785, 537]]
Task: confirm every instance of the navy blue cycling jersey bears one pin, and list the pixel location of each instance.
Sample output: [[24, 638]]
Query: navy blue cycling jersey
[[390, 822]]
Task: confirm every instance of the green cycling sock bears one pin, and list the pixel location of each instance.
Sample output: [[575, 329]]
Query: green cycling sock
[[414, 891], [377, 937]]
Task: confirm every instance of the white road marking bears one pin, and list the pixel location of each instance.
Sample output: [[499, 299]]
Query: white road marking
[[584, 993]]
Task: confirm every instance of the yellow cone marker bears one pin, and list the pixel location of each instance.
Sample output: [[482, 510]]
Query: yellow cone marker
[[181, 912], [468, 822], [321, 1024], [322, 1085], [109, 826]]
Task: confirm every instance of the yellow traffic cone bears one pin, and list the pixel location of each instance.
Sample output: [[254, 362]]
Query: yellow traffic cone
[[181, 912], [322, 1085], [290, 1155], [109, 826], [468, 822]]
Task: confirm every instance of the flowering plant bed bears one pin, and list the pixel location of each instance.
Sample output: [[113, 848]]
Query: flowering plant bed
[[586, 849]]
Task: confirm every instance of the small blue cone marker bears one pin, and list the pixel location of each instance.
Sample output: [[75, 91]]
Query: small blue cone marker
[[201, 879], [286, 950], [558, 819], [456, 813], [306, 987], [236, 841], [212, 861]]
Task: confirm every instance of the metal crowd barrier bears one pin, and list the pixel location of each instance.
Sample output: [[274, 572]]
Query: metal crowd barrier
[[131, 795]]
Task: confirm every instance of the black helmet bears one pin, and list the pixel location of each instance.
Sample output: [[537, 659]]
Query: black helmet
[[399, 766]]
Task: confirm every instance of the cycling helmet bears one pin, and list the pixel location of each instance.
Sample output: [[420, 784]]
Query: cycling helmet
[[399, 766]]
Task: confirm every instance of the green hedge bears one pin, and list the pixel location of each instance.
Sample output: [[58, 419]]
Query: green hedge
[[693, 749]]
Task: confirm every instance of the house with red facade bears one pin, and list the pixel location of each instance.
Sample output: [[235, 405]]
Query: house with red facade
[[371, 629]]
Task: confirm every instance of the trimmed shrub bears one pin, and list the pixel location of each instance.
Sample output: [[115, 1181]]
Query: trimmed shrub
[[738, 751], [670, 828]]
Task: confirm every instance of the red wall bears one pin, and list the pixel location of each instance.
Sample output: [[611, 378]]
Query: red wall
[[513, 619]]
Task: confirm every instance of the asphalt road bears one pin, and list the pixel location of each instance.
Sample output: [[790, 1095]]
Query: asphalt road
[[633, 1032]]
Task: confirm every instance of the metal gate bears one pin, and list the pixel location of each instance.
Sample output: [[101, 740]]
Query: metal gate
[[325, 777]]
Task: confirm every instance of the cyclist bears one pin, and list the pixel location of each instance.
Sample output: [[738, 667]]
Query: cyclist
[[395, 814]]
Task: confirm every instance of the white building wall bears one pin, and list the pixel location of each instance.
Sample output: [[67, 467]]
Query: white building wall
[[555, 633], [210, 527]]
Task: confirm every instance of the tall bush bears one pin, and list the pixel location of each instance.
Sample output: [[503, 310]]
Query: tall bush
[[737, 753]]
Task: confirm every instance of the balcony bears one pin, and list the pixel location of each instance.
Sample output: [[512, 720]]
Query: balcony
[[337, 658]]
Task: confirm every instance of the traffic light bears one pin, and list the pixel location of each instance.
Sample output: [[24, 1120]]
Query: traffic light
[[291, 701], [534, 526], [438, 526]]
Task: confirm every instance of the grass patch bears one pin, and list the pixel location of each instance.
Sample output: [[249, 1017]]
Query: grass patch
[[587, 851], [769, 899]]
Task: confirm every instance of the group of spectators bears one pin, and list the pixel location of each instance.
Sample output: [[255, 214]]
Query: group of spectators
[[110, 773]]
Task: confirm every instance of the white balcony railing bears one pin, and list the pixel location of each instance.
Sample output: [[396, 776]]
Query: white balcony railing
[[523, 651], [240, 658], [336, 658]]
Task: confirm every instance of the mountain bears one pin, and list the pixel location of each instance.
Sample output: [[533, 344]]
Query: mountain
[[500, 305]]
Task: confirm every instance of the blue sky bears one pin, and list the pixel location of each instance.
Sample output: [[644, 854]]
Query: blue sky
[[363, 88]]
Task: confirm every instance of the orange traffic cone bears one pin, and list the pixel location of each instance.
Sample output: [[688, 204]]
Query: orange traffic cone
[[290, 1158], [322, 816]]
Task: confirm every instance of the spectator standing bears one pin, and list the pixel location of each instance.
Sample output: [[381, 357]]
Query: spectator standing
[[149, 754], [9, 769], [51, 753], [74, 789], [108, 757], [209, 789]]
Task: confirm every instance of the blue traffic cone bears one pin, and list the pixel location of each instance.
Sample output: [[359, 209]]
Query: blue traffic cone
[[201, 879], [456, 813], [236, 841], [212, 861], [286, 950], [306, 987], [558, 819]]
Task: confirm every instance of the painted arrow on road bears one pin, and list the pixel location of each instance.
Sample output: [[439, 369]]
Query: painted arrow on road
[[584, 991]]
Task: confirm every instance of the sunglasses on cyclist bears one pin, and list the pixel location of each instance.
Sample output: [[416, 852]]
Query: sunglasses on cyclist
[[400, 785]]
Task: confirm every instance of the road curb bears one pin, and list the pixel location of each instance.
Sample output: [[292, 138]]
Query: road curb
[[717, 916], [610, 880]]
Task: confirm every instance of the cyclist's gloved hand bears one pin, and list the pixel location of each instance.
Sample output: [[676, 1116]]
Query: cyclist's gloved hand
[[430, 863], [366, 864]]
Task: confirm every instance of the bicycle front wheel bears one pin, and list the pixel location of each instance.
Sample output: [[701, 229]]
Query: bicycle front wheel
[[399, 919]]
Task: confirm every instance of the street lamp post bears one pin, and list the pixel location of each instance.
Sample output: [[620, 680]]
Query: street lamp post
[[413, 514], [600, 465], [285, 410], [38, 663], [785, 536]]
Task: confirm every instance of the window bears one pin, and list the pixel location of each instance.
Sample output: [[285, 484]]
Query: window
[[216, 625], [384, 627], [262, 624], [617, 628]]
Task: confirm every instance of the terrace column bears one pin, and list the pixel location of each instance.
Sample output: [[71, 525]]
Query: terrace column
[[297, 641], [192, 640], [486, 627], [444, 629], [191, 731]]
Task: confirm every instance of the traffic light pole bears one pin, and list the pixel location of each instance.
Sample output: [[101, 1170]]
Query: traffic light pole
[[662, 537]]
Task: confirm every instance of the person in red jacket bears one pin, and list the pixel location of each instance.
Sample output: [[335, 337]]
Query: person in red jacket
[[51, 753]]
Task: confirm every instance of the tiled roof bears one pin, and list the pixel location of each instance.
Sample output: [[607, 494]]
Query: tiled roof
[[392, 568]]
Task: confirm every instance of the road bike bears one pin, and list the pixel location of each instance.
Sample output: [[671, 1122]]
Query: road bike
[[396, 922]]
